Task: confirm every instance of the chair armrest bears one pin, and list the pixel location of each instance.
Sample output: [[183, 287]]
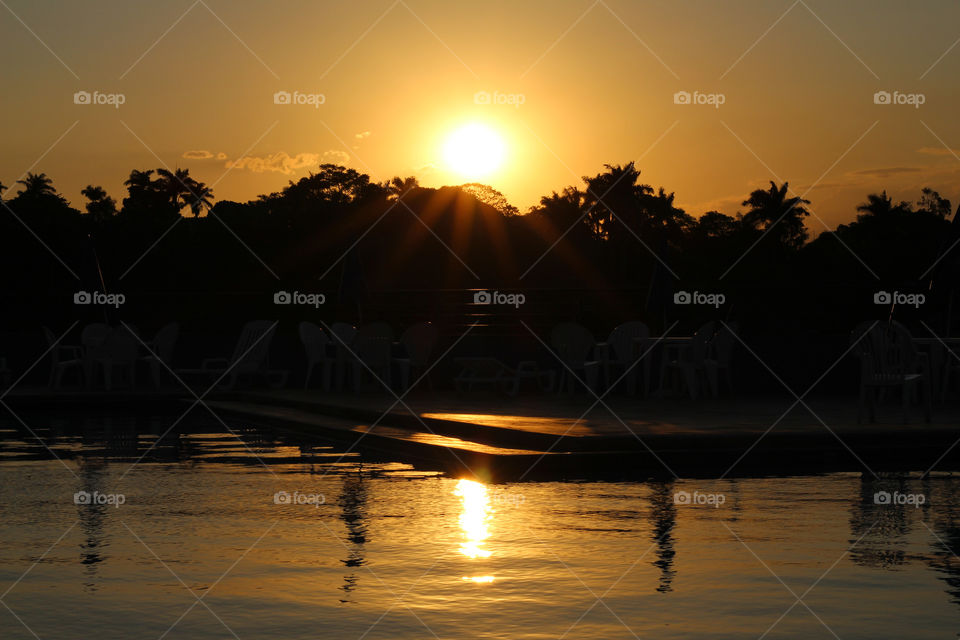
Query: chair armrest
[[70, 351]]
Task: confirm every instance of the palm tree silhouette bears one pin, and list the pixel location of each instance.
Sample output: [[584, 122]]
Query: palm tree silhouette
[[611, 194], [101, 206], [200, 196], [880, 206], [36, 185], [772, 208], [399, 186], [175, 186]]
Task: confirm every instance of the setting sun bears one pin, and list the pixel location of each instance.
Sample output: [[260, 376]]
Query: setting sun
[[474, 151]]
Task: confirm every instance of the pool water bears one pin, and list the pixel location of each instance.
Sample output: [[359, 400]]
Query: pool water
[[239, 539]]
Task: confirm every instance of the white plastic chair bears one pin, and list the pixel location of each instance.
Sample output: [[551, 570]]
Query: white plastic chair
[[418, 341], [63, 358], [719, 361], [372, 356], [574, 346], [93, 339], [116, 355], [342, 338], [690, 364], [627, 342], [889, 359], [317, 346], [161, 356]]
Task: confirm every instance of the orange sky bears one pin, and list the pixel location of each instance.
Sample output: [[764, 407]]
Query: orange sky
[[596, 81]]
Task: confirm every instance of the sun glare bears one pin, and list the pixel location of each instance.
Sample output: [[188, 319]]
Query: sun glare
[[474, 151]]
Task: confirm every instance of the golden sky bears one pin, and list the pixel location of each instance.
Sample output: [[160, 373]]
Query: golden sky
[[572, 85]]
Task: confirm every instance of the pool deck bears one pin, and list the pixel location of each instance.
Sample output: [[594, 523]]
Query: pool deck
[[549, 436]]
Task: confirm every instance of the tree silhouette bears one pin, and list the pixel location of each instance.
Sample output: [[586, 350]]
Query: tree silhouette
[[881, 206], [100, 206], [774, 213], [36, 186], [488, 195]]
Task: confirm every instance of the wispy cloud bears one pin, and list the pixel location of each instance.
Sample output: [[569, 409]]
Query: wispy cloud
[[885, 172], [197, 154], [280, 162], [938, 151], [335, 156]]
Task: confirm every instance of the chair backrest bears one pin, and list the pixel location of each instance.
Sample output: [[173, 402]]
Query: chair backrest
[[93, 338], [724, 341], [253, 347], [376, 330], [51, 339], [623, 339], [884, 349], [572, 342], [165, 340], [94, 335], [701, 342], [314, 340], [343, 334], [121, 345], [374, 351], [419, 341]]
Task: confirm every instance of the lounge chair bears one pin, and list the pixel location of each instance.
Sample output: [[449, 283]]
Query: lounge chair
[[485, 370], [250, 359]]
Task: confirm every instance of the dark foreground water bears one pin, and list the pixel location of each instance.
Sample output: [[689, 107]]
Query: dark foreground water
[[207, 542]]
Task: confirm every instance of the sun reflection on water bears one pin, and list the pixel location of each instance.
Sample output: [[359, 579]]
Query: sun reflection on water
[[475, 517]]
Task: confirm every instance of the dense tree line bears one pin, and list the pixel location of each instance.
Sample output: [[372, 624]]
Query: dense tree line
[[338, 231]]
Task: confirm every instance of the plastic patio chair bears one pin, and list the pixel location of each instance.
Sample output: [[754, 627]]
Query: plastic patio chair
[[690, 365], [418, 343], [161, 348], [318, 350], [63, 358], [889, 359], [626, 343], [574, 346]]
